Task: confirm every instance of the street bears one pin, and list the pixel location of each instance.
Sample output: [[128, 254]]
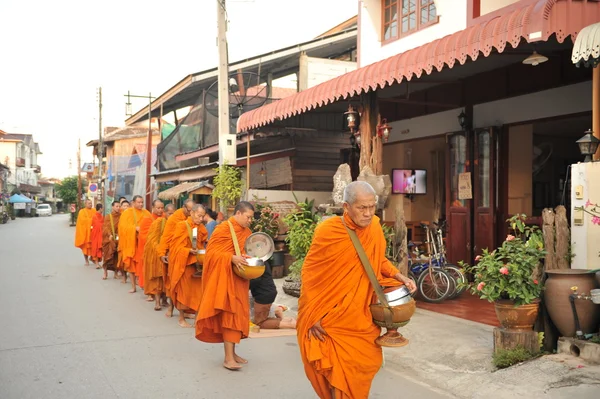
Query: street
[[68, 334]]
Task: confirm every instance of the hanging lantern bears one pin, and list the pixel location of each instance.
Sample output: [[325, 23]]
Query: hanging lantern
[[384, 130], [351, 118], [588, 145]]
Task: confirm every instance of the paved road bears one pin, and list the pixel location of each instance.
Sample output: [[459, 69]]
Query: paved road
[[65, 333]]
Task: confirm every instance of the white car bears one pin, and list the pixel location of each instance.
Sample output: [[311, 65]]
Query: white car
[[44, 210]]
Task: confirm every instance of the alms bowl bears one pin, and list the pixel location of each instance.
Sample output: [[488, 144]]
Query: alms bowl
[[255, 269]]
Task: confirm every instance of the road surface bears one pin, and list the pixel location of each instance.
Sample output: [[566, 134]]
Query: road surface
[[65, 333]]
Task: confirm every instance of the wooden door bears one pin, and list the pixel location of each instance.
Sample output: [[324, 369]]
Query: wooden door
[[484, 187], [458, 208]]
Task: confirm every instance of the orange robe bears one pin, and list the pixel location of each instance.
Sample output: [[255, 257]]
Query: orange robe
[[109, 245], [128, 236], [153, 266], [141, 244], [165, 242], [224, 313], [96, 235], [337, 291], [83, 230], [186, 291]]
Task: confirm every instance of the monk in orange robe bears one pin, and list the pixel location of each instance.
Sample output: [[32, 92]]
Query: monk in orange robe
[[129, 228], [96, 235], [110, 240], [336, 333], [158, 208], [186, 290], [224, 312], [83, 230], [165, 242], [153, 266]]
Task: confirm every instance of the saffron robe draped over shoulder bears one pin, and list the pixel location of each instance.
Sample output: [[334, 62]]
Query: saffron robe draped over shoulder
[[153, 266], [186, 291], [139, 250], [224, 308], [96, 235], [165, 241], [83, 230], [128, 236], [337, 291], [109, 245]]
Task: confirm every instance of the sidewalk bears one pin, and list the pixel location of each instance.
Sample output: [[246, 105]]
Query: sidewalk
[[454, 356]]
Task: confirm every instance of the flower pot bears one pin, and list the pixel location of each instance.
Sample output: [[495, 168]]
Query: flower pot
[[556, 298], [277, 259], [292, 287], [516, 318], [277, 271]]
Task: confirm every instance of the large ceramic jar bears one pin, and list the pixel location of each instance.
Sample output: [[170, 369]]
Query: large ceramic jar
[[516, 318], [556, 298]]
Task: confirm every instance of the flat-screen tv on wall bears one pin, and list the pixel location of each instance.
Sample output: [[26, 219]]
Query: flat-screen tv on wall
[[409, 181]]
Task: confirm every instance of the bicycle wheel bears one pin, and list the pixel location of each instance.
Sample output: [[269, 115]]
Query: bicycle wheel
[[459, 277], [434, 285]]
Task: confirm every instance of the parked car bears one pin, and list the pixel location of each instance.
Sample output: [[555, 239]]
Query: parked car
[[44, 210]]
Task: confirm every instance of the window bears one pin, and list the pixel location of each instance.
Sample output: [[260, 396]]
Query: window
[[403, 17]]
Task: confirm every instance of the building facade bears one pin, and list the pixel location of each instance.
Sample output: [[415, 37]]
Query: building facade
[[19, 152]]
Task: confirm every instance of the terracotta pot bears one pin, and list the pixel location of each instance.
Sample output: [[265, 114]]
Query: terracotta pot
[[556, 297], [516, 318]]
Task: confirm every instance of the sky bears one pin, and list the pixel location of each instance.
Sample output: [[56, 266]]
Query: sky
[[55, 55]]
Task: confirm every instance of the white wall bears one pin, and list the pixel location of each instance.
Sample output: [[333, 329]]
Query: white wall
[[7, 150], [425, 126], [585, 239], [544, 104], [452, 18], [488, 6], [314, 71]]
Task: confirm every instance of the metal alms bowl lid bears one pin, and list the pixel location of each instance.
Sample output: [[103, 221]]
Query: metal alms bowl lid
[[259, 245]]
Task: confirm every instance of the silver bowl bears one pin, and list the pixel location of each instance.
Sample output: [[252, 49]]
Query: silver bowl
[[255, 262], [398, 296]]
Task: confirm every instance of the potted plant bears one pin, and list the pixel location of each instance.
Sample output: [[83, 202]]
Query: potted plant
[[301, 228], [228, 186], [267, 222], [509, 276]]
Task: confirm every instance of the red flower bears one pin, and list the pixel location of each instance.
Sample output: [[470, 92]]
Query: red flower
[[504, 270], [510, 237], [477, 258], [480, 286], [535, 282]]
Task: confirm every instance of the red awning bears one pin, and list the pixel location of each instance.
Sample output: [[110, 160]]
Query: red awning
[[535, 21]]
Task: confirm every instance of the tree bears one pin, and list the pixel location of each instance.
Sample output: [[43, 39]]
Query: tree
[[228, 185], [67, 189]]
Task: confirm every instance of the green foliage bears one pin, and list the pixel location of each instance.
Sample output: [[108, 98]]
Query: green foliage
[[541, 339], [67, 190], [301, 224], [228, 185], [595, 339], [506, 358], [268, 222], [509, 271]]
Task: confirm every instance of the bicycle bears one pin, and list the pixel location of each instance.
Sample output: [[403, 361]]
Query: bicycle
[[455, 272]]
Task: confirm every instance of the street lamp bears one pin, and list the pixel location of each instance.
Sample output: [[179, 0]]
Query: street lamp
[[384, 129], [148, 142], [588, 145]]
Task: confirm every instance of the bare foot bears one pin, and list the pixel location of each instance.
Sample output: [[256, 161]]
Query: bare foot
[[105, 275], [157, 308], [190, 315], [115, 276], [184, 324], [232, 365], [132, 291], [165, 303], [239, 359], [169, 313], [124, 282], [149, 299]]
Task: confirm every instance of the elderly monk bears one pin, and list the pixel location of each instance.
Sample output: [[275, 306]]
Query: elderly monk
[[129, 228], [158, 209], [110, 240], [96, 235], [83, 230], [224, 313], [336, 333], [153, 266], [186, 290], [165, 242]]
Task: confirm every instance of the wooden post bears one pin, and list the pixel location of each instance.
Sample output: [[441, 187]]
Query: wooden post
[[548, 233], [596, 107], [509, 339], [563, 238], [369, 147]]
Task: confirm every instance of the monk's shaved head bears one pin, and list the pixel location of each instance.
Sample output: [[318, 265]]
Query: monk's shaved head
[[356, 188], [170, 208], [188, 204]]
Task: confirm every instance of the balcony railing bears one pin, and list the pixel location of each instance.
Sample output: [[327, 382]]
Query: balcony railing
[[20, 162]]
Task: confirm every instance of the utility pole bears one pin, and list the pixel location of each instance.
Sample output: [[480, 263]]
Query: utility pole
[[227, 141], [100, 152], [79, 173]]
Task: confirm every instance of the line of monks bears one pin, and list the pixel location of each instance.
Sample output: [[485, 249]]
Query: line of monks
[[158, 251], [335, 331]]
